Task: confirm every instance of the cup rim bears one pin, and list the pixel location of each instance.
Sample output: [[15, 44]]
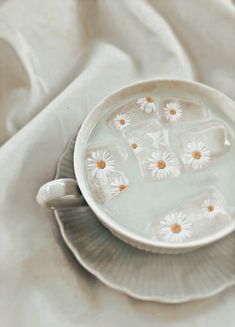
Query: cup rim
[[80, 144]]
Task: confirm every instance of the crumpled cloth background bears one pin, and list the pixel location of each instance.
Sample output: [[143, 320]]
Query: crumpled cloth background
[[57, 60]]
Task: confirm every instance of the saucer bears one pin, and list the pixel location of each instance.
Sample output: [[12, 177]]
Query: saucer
[[140, 274]]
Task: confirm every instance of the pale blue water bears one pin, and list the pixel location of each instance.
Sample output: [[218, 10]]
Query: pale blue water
[[143, 203]]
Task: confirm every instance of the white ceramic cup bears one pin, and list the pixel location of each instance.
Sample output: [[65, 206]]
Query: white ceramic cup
[[65, 192]]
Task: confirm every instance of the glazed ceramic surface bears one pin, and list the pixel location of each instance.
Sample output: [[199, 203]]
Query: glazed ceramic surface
[[155, 162], [146, 276]]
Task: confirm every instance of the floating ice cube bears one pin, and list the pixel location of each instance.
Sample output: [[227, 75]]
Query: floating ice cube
[[204, 144], [146, 135], [104, 163], [131, 113], [119, 183], [159, 163], [98, 189], [174, 110], [151, 145], [105, 189], [199, 215], [209, 204]]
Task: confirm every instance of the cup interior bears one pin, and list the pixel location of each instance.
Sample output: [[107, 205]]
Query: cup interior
[[155, 162]]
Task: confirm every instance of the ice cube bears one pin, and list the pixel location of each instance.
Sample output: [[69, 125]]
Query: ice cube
[[105, 189], [159, 163], [206, 143], [145, 135], [133, 112], [174, 110], [199, 215], [151, 145], [104, 163]]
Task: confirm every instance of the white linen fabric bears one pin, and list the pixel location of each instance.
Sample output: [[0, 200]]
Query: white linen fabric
[[57, 60]]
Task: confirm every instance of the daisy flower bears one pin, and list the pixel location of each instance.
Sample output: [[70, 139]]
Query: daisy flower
[[162, 164], [176, 227], [146, 104], [136, 144], [211, 208], [119, 185], [100, 164], [197, 155], [173, 112], [121, 121]]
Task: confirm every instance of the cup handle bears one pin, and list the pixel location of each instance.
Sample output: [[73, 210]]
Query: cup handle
[[60, 193]]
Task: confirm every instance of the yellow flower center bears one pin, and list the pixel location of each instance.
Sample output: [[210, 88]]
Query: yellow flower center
[[210, 208], [176, 228], [122, 121], [196, 155], [173, 112], [134, 146], [122, 187], [101, 164], [161, 164], [149, 99]]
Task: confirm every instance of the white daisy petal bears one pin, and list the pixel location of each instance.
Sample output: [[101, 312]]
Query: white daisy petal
[[143, 106], [173, 112], [119, 184], [121, 121], [211, 208], [197, 155], [162, 164], [100, 164], [177, 227], [146, 104]]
